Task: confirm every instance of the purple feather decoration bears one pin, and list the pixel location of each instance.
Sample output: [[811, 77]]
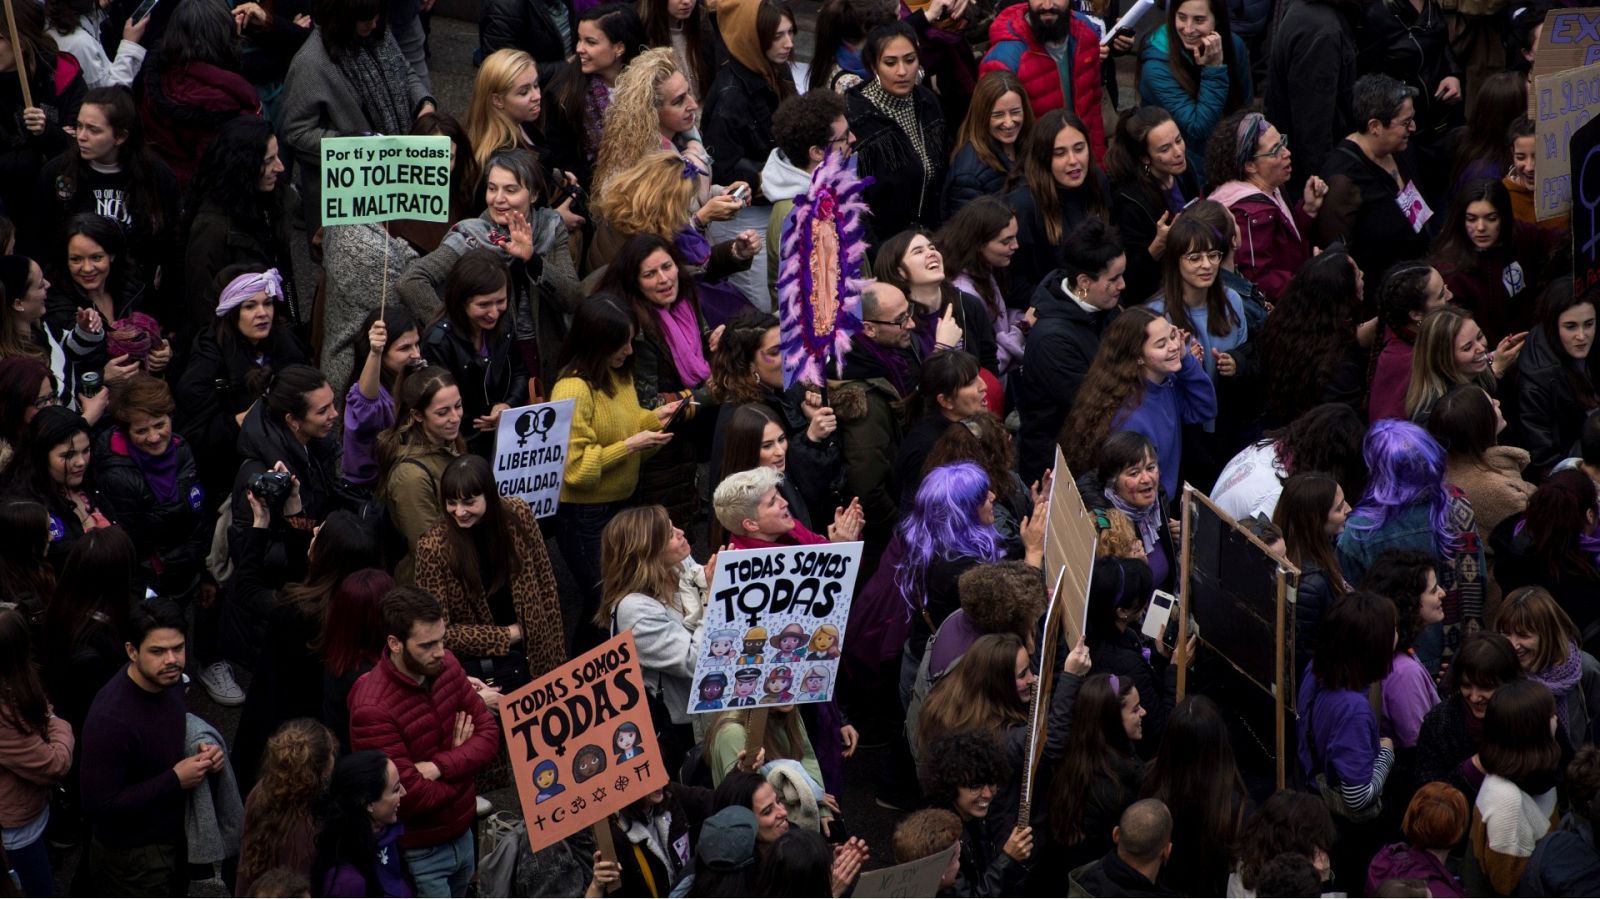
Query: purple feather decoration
[[816, 329]]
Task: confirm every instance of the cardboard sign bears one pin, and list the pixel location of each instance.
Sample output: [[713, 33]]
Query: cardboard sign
[[1039, 707], [775, 626], [581, 743], [1233, 593], [1070, 538], [1585, 155], [377, 179], [914, 878], [1563, 103], [1570, 38], [530, 453]]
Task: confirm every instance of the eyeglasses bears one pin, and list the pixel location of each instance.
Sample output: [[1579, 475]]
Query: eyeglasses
[[1277, 148], [898, 321], [46, 401], [1212, 256]]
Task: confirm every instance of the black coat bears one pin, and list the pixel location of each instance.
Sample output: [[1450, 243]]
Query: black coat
[[1124, 655], [914, 449], [23, 154], [1036, 256], [969, 179], [213, 390], [736, 125], [1312, 599], [171, 538], [523, 25], [1546, 414], [903, 193], [262, 444], [1443, 744], [218, 238], [1413, 48], [1111, 876], [1310, 73], [1361, 210], [814, 470], [1574, 584], [1565, 863], [485, 381], [1061, 344], [1136, 213]]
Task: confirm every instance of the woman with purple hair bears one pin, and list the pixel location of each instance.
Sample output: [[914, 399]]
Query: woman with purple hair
[[1408, 505]]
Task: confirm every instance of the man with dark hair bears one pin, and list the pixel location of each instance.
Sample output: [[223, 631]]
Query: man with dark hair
[[135, 775], [806, 128], [419, 709], [1143, 841]]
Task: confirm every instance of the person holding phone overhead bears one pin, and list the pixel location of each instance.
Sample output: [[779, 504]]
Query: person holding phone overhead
[[75, 26]]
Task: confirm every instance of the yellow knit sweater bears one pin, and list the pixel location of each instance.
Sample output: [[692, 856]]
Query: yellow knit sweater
[[599, 467]]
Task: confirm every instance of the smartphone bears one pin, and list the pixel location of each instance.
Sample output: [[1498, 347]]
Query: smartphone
[[143, 9], [740, 193], [1156, 617], [679, 413]]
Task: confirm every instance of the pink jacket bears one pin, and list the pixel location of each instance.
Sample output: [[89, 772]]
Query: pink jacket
[[29, 766]]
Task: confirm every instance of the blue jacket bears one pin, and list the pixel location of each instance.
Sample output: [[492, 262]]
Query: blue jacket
[[968, 180], [1196, 116], [1564, 863], [1185, 398]]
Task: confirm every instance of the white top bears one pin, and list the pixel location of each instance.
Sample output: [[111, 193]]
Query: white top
[[1513, 820], [1251, 482], [100, 70]]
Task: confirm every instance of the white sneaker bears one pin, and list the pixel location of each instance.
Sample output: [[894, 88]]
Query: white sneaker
[[218, 680]]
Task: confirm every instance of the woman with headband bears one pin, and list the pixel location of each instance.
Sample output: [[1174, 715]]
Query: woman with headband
[[1247, 165], [229, 367]]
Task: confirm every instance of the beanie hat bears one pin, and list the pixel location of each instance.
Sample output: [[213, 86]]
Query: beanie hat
[[728, 839]]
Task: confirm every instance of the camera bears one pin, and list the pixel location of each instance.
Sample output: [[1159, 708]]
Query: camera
[[271, 487]]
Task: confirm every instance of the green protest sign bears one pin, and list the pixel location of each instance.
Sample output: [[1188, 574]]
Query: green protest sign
[[378, 178]]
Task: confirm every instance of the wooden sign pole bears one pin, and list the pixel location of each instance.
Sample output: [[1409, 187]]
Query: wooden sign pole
[[16, 52], [1278, 688], [1180, 655], [755, 735], [602, 840]]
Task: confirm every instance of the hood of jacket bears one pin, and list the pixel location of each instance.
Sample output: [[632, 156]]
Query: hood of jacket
[[1155, 49], [1539, 353], [1399, 860], [782, 179], [1050, 300], [263, 440], [736, 21], [1235, 192]]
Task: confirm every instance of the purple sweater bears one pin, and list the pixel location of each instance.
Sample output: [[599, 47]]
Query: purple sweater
[[346, 880], [364, 420], [1187, 397]]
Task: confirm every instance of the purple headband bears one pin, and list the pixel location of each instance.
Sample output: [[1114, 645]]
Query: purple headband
[[246, 286], [1251, 127], [1116, 688]]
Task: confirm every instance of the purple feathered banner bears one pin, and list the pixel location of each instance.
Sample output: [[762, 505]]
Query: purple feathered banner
[[819, 280]]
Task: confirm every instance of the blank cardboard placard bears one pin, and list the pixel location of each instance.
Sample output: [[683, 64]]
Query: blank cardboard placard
[[1039, 707], [581, 742], [914, 878], [1232, 592], [1069, 542]]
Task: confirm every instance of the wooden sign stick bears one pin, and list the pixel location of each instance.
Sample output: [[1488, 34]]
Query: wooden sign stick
[[755, 734], [602, 840], [1279, 690], [16, 51], [1180, 655]]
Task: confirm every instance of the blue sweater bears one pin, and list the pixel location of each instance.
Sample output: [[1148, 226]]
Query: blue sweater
[[1184, 398], [1198, 115]]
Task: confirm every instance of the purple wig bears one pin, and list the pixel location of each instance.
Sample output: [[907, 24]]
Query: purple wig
[[1406, 468], [944, 520]]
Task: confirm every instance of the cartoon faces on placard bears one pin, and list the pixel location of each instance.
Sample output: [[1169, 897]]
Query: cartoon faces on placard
[[774, 626]]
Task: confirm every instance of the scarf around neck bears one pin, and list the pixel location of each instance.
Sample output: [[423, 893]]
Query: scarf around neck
[[681, 331], [903, 112], [160, 472], [896, 367], [379, 74], [1560, 678], [1147, 520]]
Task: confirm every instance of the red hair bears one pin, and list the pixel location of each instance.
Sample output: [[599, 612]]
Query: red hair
[[352, 625]]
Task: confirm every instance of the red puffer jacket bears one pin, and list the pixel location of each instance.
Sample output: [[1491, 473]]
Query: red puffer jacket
[[1013, 48], [410, 723]]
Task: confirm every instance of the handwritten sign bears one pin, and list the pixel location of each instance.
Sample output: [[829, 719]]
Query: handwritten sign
[[775, 626], [377, 179], [581, 743], [1563, 103], [1069, 541], [530, 453], [1569, 38], [920, 877]]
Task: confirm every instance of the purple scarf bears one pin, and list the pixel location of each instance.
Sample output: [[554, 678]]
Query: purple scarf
[[1560, 679], [160, 472], [681, 330], [894, 363]]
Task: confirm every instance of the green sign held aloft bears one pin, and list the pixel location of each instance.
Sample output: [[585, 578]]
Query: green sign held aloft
[[377, 179]]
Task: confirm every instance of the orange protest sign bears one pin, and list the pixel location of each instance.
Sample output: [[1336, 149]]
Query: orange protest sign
[[581, 743]]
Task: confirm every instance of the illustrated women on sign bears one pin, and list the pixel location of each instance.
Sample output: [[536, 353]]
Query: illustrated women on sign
[[755, 645], [788, 643], [720, 648], [712, 686], [777, 685], [589, 761], [546, 777], [824, 644], [625, 742], [814, 686], [744, 687]]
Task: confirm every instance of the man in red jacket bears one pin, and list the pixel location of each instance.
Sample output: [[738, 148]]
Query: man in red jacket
[[418, 707], [1055, 52]]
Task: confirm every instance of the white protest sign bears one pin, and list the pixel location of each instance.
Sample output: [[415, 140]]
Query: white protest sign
[[775, 626], [920, 877], [530, 453]]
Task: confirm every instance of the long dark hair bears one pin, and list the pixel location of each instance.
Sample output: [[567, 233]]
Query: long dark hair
[[886, 266], [841, 22], [35, 51], [20, 380], [1302, 515], [569, 87], [103, 231], [1310, 330], [622, 279], [476, 272], [198, 31], [658, 30], [344, 545], [1580, 375], [1454, 246], [1190, 235], [1558, 514], [345, 835], [23, 706], [733, 363], [352, 622], [24, 539], [1035, 172], [1095, 742], [1195, 774], [229, 173], [1502, 97], [92, 590], [601, 327], [1114, 382], [138, 163], [397, 321], [1129, 147], [962, 240], [336, 22], [1181, 62], [465, 477]]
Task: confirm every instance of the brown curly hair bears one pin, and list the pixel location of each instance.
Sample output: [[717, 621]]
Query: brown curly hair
[[1114, 383], [294, 772]]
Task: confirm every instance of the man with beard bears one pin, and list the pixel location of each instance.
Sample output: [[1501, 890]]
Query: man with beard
[[135, 774], [1056, 53], [418, 707]]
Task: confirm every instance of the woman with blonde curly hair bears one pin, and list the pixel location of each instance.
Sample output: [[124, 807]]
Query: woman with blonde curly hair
[[280, 825], [654, 108], [652, 196], [505, 113]]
